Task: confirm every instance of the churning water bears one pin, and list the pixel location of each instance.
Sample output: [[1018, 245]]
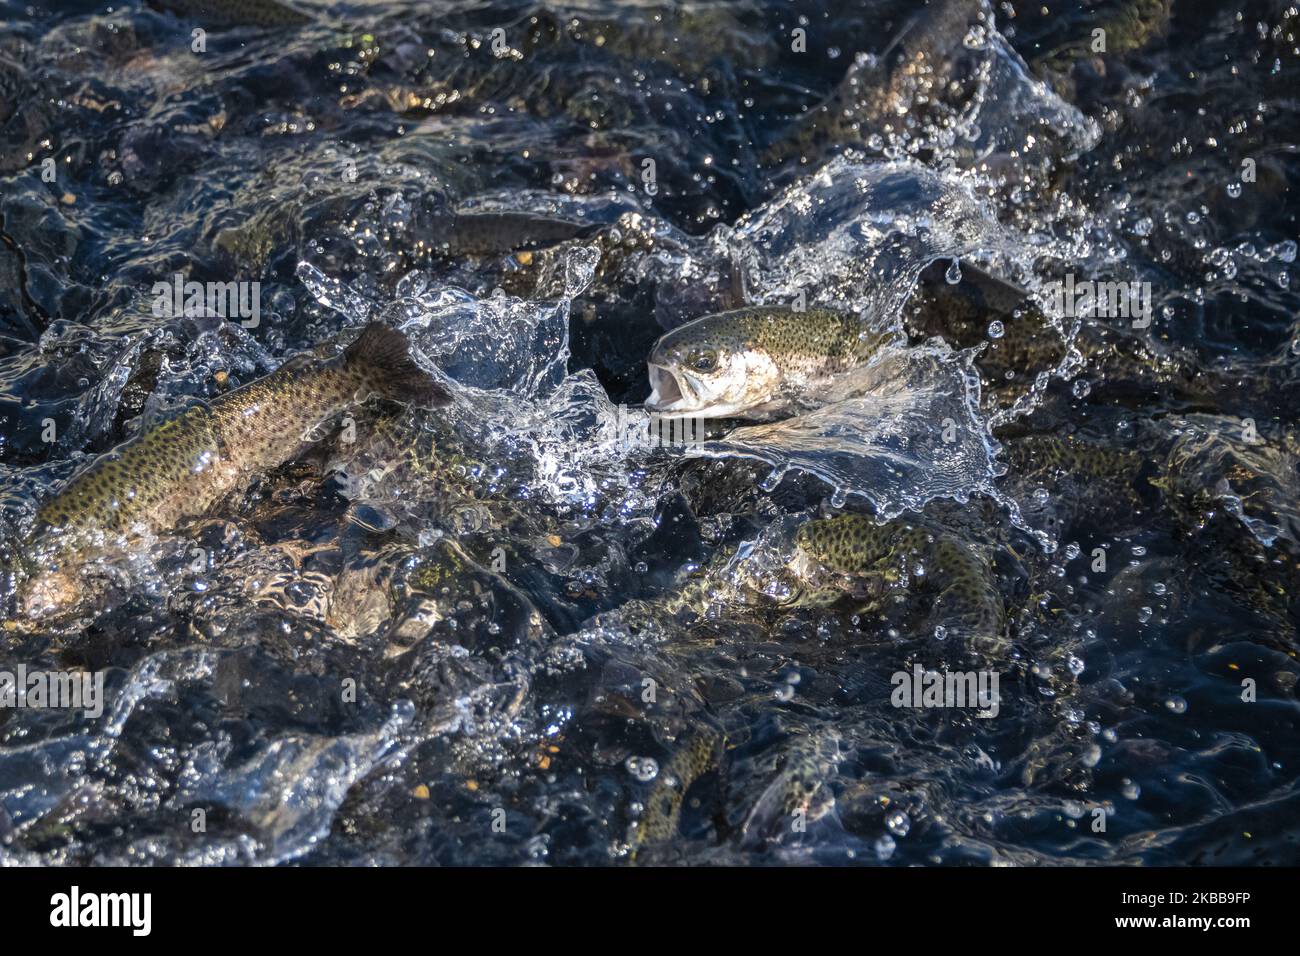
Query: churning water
[[518, 630]]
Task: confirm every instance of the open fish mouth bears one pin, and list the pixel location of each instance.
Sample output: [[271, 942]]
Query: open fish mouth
[[669, 392], [677, 394]]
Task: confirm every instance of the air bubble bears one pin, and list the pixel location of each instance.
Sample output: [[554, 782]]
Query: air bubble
[[898, 823], [644, 769], [885, 847]]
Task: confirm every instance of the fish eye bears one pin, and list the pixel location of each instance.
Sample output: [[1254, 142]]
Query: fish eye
[[705, 361]]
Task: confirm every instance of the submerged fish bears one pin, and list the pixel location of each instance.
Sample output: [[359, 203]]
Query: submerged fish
[[698, 755], [254, 13], [1123, 364], [948, 89], [497, 233], [1090, 484], [850, 554], [1234, 498], [800, 792], [180, 468], [1129, 27], [757, 361], [853, 559], [921, 67]]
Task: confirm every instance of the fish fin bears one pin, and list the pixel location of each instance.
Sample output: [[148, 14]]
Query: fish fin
[[385, 354]]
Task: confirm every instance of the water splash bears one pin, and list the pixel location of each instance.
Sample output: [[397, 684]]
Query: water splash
[[556, 435], [859, 234], [1014, 118], [913, 434]]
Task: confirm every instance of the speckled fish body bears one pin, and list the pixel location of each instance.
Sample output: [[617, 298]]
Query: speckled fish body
[[754, 360], [182, 467]]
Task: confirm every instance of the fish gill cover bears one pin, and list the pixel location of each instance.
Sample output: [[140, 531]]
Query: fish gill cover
[[1012, 584]]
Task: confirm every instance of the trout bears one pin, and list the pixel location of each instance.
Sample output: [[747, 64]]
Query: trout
[[180, 468], [756, 361]]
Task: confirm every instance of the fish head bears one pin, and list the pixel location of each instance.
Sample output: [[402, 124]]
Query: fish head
[[779, 575], [51, 585], [826, 561], [808, 583], [29, 592], [706, 370], [49, 595]]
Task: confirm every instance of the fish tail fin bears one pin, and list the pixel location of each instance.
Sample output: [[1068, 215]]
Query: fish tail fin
[[383, 354]]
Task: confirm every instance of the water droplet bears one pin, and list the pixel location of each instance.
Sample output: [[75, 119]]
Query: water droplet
[[953, 275], [996, 329], [885, 847], [898, 823], [1176, 705], [644, 769]]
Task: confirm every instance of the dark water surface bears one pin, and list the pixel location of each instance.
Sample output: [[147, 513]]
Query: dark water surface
[[476, 636]]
